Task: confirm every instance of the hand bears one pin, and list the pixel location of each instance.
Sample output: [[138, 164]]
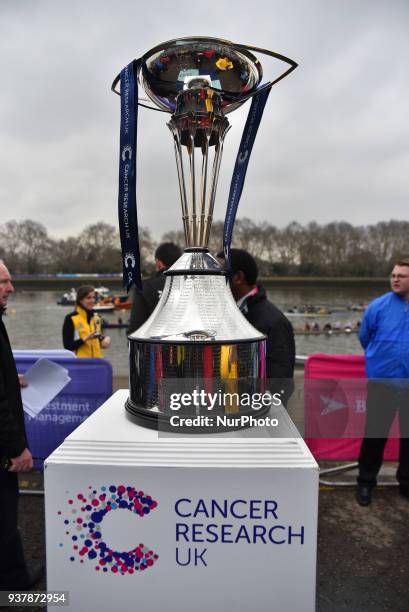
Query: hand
[[106, 342], [22, 463], [22, 380]]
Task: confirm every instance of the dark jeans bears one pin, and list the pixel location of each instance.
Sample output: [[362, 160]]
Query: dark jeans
[[13, 571], [382, 404]]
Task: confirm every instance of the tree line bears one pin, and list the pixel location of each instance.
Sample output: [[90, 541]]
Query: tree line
[[332, 249]]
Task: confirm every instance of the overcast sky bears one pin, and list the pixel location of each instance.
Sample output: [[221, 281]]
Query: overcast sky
[[333, 143]]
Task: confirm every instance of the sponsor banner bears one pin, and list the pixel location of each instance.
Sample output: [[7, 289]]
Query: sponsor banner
[[335, 398], [158, 534], [127, 211], [89, 388]]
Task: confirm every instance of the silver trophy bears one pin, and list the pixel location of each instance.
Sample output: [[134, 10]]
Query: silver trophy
[[197, 339]]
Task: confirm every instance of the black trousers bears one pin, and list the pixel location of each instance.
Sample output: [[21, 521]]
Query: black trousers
[[13, 571], [382, 404]]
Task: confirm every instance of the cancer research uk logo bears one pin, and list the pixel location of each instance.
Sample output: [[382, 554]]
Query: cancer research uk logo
[[126, 152], [129, 260], [84, 526]]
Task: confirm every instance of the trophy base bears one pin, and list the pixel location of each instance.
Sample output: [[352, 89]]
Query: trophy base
[[196, 343], [162, 422]]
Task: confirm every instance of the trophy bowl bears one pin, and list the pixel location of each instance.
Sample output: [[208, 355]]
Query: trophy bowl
[[195, 339], [199, 61]]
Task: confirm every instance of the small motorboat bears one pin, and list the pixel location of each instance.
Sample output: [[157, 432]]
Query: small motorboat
[[122, 302], [103, 308], [308, 310], [68, 299], [101, 292], [357, 307]]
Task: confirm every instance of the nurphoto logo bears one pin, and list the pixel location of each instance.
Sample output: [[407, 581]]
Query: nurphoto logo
[[222, 409]]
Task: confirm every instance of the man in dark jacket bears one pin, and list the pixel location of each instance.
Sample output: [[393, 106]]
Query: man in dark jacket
[[14, 457], [267, 319], [144, 302]]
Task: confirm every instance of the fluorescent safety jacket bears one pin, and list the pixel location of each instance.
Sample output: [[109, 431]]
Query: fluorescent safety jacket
[[384, 334], [77, 326]]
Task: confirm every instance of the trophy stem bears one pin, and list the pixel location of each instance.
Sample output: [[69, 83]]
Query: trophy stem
[[191, 152], [215, 177], [198, 127], [205, 162], [183, 197]]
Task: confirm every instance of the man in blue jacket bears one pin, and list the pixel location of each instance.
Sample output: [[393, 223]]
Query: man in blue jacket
[[384, 334]]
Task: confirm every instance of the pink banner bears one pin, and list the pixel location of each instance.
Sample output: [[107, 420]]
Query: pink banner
[[334, 407]]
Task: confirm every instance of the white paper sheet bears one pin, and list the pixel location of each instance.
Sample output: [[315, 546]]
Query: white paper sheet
[[45, 380]]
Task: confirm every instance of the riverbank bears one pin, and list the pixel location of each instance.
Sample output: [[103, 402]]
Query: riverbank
[[39, 283], [325, 281]]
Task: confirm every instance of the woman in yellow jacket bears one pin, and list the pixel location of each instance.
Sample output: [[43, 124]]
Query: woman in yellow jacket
[[82, 328]]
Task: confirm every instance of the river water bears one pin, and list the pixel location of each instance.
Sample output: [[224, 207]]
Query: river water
[[34, 320]]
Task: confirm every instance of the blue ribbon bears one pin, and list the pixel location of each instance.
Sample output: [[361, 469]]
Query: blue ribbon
[[242, 160], [128, 218]]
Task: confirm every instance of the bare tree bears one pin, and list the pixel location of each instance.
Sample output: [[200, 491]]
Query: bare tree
[[334, 249], [26, 245]]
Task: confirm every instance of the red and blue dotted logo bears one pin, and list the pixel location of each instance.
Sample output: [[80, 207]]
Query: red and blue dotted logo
[[84, 527]]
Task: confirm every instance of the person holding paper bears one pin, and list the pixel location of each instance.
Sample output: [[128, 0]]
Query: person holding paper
[[82, 328], [14, 457]]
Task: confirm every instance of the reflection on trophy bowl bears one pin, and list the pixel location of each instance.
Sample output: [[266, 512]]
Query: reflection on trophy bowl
[[170, 68]]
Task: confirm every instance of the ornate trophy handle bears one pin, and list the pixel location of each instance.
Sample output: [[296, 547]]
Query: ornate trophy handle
[[282, 58], [118, 93]]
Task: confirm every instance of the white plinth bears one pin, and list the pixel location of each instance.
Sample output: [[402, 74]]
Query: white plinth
[[251, 545]]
